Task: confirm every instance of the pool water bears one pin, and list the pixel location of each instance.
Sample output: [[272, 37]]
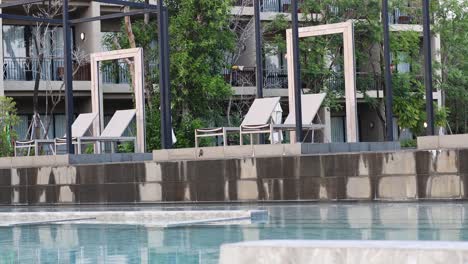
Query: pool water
[[68, 243]]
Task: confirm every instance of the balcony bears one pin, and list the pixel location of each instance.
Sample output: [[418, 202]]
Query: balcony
[[25, 69]]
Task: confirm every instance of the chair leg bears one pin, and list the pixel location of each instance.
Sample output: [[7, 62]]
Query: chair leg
[[79, 146], [224, 137], [241, 138], [36, 148], [272, 135]]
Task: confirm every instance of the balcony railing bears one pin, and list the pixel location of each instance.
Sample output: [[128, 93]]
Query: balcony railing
[[241, 77], [407, 15], [365, 81], [116, 73], [268, 5], [25, 69], [278, 79]]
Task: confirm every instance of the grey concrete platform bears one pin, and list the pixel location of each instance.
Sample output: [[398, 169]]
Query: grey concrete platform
[[65, 160], [344, 252], [146, 218], [267, 150]]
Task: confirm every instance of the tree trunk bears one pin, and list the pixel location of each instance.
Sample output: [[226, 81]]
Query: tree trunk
[[36, 120], [131, 39]]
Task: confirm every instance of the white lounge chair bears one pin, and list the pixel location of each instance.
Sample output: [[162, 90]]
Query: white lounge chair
[[259, 114], [311, 104], [80, 126], [113, 132], [260, 120]]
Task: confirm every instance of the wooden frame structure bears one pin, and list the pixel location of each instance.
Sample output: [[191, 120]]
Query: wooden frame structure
[[138, 88], [347, 30]]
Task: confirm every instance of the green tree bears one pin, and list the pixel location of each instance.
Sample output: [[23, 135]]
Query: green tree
[[452, 25], [8, 119], [199, 39]]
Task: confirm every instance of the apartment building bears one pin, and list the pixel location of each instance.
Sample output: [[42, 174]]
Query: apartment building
[[19, 66]]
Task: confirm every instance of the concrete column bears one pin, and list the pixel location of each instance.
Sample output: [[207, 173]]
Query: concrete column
[[325, 116], [436, 46], [350, 84], [92, 31]]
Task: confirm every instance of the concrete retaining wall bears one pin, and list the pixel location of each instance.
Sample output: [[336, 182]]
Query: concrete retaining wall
[[443, 142], [371, 176]]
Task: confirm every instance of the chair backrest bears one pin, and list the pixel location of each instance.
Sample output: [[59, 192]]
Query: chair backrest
[[260, 111], [118, 123], [82, 124], [311, 103]]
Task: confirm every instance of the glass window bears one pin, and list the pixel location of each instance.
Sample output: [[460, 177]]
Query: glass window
[[20, 52], [13, 41], [60, 125], [22, 127], [338, 130]]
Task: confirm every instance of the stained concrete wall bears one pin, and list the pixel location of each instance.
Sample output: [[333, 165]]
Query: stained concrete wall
[[371, 176]]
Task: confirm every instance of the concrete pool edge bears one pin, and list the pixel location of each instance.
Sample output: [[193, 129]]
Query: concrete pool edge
[[344, 252]]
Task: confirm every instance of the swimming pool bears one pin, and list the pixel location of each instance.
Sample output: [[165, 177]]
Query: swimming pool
[[86, 243]]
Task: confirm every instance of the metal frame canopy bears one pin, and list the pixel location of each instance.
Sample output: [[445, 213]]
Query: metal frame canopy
[[66, 22]]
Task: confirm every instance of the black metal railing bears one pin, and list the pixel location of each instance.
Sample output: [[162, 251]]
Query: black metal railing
[[278, 79], [365, 81], [51, 68], [408, 15], [243, 2], [275, 78], [240, 76], [115, 72], [268, 5]]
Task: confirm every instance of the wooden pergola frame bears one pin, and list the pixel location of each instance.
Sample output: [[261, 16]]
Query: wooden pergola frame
[[347, 30], [138, 88]]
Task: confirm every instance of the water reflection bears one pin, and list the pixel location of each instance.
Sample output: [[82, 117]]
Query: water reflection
[[137, 244]]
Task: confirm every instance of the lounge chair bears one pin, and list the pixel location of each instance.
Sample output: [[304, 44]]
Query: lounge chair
[[80, 126], [311, 104], [255, 122], [113, 132], [259, 114]]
